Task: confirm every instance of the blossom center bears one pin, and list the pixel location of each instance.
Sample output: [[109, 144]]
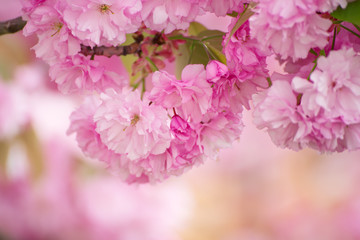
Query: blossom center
[[135, 119], [57, 27], [104, 8]]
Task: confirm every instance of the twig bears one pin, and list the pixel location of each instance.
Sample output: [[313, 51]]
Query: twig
[[12, 26], [111, 51]]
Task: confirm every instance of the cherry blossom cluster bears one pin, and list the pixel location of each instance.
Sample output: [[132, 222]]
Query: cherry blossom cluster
[[171, 124]]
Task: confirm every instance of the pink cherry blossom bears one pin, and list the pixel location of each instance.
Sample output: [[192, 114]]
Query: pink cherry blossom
[[289, 31], [276, 110], [334, 87], [190, 96], [103, 22], [55, 39], [79, 74], [168, 15], [218, 131], [228, 91], [244, 57], [89, 141], [127, 125], [185, 151]]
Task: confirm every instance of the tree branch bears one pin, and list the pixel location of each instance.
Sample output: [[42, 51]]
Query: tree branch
[[111, 51], [12, 26]]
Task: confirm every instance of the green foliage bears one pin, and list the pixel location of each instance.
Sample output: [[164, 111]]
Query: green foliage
[[350, 14], [201, 46]]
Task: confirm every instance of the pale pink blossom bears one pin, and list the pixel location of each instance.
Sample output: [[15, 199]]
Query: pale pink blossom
[[103, 22], [168, 15], [55, 39], [191, 96], [221, 8], [130, 126], [276, 110], [333, 87], [218, 131], [289, 27], [89, 141], [79, 74], [331, 5]]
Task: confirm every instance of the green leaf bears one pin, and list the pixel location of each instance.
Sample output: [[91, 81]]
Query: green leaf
[[350, 14], [213, 40], [199, 56], [195, 28]]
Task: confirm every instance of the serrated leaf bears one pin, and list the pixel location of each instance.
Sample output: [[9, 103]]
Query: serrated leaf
[[350, 14]]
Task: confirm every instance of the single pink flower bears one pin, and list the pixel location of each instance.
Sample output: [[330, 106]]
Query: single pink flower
[[130, 126]]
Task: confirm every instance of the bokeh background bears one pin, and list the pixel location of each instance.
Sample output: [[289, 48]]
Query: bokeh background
[[254, 191]]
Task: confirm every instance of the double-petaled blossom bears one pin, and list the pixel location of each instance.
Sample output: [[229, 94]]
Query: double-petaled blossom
[[321, 112], [103, 22], [130, 126], [190, 96], [289, 31], [169, 15], [79, 74], [55, 39]]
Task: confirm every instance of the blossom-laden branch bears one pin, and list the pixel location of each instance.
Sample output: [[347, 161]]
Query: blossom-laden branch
[[12, 26], [134, 48]]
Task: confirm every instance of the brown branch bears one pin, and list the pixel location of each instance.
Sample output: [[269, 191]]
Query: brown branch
[[12, 26], [134, 48]]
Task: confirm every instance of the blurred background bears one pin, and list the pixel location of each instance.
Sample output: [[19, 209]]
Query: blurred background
[[254, 191]]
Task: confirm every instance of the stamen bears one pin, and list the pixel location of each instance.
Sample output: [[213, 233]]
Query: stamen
[[135, 119], [57, 27], [104, 8]]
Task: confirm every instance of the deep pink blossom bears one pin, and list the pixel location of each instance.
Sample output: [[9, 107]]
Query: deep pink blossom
[[185, 151], [244, 57]]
